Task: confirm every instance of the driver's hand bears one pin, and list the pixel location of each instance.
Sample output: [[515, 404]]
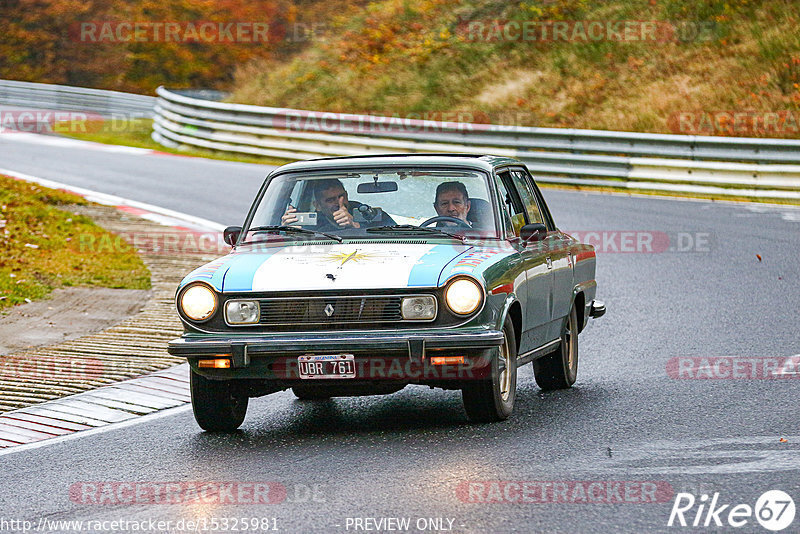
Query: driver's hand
[[289, 217], [343, 217]]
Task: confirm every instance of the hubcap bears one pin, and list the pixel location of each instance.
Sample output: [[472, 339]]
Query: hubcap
[[505, 375], [569, 345]]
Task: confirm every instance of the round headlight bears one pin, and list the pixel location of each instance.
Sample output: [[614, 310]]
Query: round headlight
[[198, 302], [463, 296]]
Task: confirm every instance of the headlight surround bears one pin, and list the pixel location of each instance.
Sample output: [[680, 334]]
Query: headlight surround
[[198, 302], [242, 312], [421, 308], [463, 296]]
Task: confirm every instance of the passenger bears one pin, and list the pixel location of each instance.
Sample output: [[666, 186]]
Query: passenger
[[452, 200]]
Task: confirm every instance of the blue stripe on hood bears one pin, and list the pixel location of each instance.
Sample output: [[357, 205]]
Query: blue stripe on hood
[[241, 269], [426, 272]]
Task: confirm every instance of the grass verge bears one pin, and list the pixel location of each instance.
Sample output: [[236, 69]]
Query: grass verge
[[41, 246]]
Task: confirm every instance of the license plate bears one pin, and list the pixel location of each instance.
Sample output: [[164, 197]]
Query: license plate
[[316, 366]]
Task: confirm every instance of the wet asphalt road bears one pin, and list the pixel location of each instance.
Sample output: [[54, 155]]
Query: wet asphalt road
[[410, 454]]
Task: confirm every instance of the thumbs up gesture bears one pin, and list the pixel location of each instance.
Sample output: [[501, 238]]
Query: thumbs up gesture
[[343, 217]]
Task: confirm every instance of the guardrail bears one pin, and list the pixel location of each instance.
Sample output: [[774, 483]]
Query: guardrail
[[768, 168], [752, 167], [67, 98]]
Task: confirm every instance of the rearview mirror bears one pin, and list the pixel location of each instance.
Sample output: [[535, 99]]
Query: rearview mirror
[[231, 234], [533, 232], [377, 187]]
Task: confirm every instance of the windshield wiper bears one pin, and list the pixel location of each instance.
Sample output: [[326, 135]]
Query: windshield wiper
[[293, 229], [412, 228]]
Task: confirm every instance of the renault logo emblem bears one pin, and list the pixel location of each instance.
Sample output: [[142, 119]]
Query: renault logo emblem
[[329, 310]]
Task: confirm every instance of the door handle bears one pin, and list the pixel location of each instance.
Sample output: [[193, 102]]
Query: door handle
[[549, 262]]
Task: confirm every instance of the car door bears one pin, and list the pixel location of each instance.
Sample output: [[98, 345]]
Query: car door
[[537, 307], [561, 262]]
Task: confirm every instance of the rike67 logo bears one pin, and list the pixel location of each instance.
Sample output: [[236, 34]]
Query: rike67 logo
[[774, 510]]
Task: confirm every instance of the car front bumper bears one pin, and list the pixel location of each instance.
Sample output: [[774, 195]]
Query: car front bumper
[[274, 356]]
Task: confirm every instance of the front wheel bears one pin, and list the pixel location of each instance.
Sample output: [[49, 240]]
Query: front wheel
[[217, 405], [559, 369], [493, 399]]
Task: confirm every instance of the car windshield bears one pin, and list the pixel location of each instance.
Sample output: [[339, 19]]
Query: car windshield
[[387, 203]]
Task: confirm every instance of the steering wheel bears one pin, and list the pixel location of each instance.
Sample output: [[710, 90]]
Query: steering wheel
[[445, 218]]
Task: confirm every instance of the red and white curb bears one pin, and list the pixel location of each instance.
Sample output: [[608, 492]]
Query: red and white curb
[[99, 407]]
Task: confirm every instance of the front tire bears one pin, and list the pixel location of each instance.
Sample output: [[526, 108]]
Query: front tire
[[217, 405], [493, 399], [559, 369]]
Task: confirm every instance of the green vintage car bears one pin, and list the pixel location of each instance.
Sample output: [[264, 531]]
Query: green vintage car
[[361, 275]]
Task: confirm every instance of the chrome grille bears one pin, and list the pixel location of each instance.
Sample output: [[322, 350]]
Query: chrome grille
[[330, 310]]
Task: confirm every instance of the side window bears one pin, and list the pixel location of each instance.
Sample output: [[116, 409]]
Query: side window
[[527, 196], [551, 225], [513, 212], [504, 207], [300, 197]]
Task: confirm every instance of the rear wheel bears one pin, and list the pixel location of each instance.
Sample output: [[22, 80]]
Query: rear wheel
[[559, 369], [217, 405], [493, 399]]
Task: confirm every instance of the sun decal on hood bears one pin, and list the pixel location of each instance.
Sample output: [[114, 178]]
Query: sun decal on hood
[[343, 257]]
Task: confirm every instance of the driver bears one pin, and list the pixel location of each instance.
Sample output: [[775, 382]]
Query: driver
[[332, 206], [452, 200]]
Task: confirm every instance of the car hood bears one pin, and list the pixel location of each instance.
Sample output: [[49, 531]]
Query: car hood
[[337, 266]]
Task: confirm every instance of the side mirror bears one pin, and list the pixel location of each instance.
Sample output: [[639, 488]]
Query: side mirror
[[532, 232], [231, 234]]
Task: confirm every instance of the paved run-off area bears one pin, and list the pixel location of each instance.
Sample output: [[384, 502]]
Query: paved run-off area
[[134, 346]]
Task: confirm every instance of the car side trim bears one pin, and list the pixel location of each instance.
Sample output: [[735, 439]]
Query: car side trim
[[531, 355]]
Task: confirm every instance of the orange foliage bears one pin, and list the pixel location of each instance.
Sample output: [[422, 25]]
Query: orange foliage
[[43, 41]]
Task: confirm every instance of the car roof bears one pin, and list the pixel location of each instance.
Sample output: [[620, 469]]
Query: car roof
[[484, 162]]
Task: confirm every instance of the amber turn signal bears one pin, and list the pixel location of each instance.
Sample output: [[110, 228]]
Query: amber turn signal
[[447, 360], [217, 363]]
